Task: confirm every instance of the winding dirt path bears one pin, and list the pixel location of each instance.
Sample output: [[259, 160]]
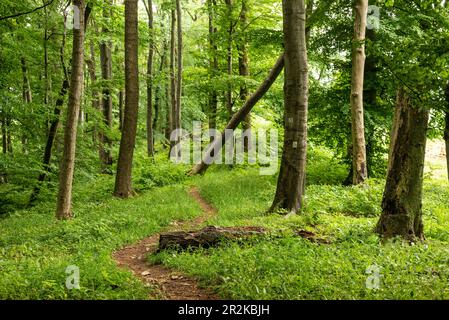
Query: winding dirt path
[[169, 284]]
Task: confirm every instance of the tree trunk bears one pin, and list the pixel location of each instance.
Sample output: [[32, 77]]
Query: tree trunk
[[157, 93], [106, 74], [360, 172], [238, 117], [121, 95], [123, 183], [27, 97], [180, 66], [150, 133], [173, 81], [4, 136], [213, 66], [291, 181], [244, 71], [63, 208], [229, 102], [402, 200], [446, 129]]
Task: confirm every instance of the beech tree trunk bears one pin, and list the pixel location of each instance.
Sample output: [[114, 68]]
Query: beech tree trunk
[[64, 203], [180, 65], [106, 74], [229, 102], [150, 133], [157, 92], [213, 66], [446, 129], [238, 117], [291, 181], [244, 69], [26, 95], [402, 200], [360, 172], [173, 90], [123, 185]]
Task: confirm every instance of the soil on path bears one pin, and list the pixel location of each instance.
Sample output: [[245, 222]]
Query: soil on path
[[169, 284]]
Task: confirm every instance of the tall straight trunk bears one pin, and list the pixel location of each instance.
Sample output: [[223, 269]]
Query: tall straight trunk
[[121, 98], [180, 64], [244, 70], [360, 172], [8, 134], [291, 181], [229, 62], [27, 97], [213, 66], [4, 136], [123, 183], [446, 128], [157, 92], [150, 133], [173, 82], [96, 103], [238, 117], [402, 199], [106, 74], [64, 203]]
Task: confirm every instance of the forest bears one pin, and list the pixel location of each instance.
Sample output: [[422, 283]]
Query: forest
[[224, 150]]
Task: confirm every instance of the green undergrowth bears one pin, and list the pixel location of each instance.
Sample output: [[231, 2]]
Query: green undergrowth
[[284, 266]]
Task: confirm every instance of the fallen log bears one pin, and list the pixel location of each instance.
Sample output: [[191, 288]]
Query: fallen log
[[207, 237]]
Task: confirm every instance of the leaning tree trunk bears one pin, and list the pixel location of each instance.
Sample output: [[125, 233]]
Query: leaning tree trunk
[[360, 172], [150, 133], [123, 185], [291, 181], [64, 203], [402, 200], [212, 150], [106, 74]]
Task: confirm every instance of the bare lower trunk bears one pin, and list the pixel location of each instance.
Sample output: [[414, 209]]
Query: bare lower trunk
[[238, 117], [360, 172], [244, 72], [213, 66], [150, 133], [229, 102], [402, 200], [106, 74], [123, 183], [446, 129], [173, 90], [291, 181], [63, 208], [180, 65]]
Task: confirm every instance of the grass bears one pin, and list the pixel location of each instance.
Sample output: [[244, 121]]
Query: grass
[[35, 249]]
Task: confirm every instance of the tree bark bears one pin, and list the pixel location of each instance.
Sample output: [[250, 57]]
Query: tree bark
[[446, 129], [239, 117], [63, 208], [106, 74], [123, 183], [291, 181], [244, 71], [213, 66], [229, 102], [173, 82], [150, 133], [157, 92], [360, 173], [402, 200]]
